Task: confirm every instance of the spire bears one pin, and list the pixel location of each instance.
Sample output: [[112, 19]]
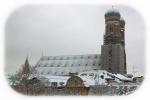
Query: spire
[[26, 67], [26, 61]]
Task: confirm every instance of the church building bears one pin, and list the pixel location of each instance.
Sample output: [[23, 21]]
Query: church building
[[112, 58]]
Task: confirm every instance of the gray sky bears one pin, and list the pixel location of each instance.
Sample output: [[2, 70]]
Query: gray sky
[[68, 30]]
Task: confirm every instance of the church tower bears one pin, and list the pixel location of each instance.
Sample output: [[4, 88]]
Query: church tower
[[113, 56]]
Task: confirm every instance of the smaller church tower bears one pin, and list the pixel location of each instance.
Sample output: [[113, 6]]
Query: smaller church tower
[[26, 68], [113, 56]]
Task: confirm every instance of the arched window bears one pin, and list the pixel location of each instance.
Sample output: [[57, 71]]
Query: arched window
[[109, 68], [110, 29]]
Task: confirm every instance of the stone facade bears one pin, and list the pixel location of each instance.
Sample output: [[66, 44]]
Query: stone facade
[[113, 50], [113, 61]]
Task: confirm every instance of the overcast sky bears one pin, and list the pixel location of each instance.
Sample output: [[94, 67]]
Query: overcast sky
[[68, 30]]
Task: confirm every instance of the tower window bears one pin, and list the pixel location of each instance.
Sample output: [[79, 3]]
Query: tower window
[[111, 29], [110, 52], [109, 68]]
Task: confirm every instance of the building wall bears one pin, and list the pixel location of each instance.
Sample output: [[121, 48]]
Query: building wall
[[113, 50], [113, 61]]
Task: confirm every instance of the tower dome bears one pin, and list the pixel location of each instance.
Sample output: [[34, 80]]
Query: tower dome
[[112, 13]]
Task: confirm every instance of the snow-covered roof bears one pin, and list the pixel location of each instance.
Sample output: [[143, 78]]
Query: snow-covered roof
[[70, 60], [63, 65], [98, 77], [94, 77], [122, 77], [56, 78]]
